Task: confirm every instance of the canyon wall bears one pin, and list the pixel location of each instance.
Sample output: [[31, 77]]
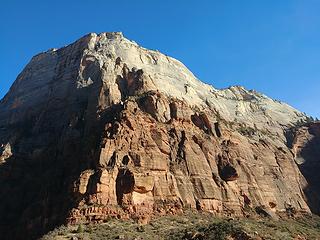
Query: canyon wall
[[105, 128]]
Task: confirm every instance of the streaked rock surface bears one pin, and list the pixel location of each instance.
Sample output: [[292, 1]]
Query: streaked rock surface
[[105, 128]]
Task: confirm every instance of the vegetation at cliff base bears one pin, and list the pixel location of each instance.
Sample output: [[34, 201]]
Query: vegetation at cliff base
[[194, 226]]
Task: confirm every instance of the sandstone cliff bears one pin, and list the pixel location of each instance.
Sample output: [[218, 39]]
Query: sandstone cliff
[[105, 128], [305, 142]]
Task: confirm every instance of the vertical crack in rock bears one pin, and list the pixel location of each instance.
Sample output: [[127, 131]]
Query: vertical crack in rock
[[217, 129], [181, 155]]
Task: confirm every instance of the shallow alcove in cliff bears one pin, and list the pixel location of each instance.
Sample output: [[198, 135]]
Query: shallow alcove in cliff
[[148, 104], [125, 160], [124, 184], [201, 121], [228, 173], [173, 110]]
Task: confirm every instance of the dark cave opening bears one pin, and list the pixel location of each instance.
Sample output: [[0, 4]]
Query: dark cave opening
[[125, 160], [217, 129], [124, 184], [228, 173]]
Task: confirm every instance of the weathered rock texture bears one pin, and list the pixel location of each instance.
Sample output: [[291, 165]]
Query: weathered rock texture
[[305, 145], [105, 128]]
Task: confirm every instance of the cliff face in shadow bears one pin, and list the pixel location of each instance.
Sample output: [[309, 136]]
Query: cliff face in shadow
[[306, 147], [105, 128]]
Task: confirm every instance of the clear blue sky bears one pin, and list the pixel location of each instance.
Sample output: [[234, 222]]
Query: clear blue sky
[[269, 45]]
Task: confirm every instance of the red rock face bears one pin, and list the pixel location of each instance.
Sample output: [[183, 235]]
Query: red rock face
[[85, 137]]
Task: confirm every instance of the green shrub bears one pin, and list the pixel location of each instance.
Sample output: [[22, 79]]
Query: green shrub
[[80, 229]]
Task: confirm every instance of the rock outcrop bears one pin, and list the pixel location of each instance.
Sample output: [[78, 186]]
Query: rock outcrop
[[105, 128], [305, 142]]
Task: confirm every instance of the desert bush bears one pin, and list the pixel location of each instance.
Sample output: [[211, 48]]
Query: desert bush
[[80, 229]]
